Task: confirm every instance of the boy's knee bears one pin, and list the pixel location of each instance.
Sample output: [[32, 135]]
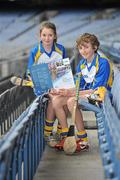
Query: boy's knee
[[70, 103]]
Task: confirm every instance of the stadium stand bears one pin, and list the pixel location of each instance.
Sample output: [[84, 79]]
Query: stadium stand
[[21, 119], [24, 27]]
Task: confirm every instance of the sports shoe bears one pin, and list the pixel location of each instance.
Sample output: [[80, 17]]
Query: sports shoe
[[53, 135], [82, 145], [51, 141], [59, 146], [56, 136]]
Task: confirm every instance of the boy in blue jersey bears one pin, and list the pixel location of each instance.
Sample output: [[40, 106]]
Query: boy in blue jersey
[[47, 51], [95, 71]]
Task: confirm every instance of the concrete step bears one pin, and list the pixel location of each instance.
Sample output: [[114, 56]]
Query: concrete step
[[55, 165], [89, 120]]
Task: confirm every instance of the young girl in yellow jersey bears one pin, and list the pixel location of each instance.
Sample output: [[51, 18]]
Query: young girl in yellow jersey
[[46, 51]]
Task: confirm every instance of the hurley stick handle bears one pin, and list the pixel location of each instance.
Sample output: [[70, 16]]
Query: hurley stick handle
[[76, 100], [77, 89]]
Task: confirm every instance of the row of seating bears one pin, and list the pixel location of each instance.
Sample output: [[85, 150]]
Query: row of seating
[[108, 123], [22, 32], [104, 28], [109, 130], [22, 147], [13, 102], [82, 21], [13, 23]]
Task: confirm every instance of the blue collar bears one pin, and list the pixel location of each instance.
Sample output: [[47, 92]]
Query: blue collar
[[42, 50], [92, 63]]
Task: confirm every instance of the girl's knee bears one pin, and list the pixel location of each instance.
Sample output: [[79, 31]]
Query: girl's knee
[[56, 103]]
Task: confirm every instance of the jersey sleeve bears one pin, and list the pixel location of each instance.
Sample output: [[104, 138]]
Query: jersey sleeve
[[64, 53], [102, 75], [31, 59]]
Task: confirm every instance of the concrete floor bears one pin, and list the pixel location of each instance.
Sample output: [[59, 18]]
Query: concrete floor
[[55, 165]]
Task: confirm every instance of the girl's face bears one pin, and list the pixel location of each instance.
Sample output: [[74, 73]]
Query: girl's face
[[47, 36], [87, 51]]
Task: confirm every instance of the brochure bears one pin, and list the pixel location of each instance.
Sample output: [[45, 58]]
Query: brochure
[[56, 74]]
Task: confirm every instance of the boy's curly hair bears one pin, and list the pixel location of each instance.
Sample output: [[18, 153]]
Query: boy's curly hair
[[88, 38]]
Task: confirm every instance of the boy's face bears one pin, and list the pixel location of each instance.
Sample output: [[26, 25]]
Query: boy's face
[[47, 36], [86, 50]]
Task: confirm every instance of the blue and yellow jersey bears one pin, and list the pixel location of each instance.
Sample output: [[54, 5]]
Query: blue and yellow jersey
[[39, 55], [97, 74]]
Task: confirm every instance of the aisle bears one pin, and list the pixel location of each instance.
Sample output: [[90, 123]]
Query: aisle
[[83, 166]]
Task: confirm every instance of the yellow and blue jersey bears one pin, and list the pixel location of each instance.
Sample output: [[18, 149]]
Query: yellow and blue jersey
[[98, 73], [39, 55]]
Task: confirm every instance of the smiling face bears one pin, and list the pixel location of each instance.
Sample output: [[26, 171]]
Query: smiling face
[[87, 51], [87, 45], [47, 37]]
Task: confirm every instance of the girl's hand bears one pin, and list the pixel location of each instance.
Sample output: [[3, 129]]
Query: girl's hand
[[63, 92], [54, 92], [67, 92], [70, 92]]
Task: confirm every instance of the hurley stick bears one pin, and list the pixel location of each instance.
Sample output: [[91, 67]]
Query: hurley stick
[[70, 142]]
